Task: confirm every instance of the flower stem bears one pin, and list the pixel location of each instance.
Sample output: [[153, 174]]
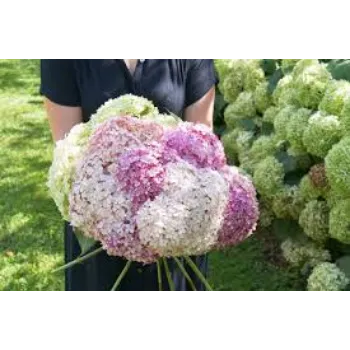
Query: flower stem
[[168, 275], [198, 273], [159, 271], [79, 260], [187, 276], [121, 276]]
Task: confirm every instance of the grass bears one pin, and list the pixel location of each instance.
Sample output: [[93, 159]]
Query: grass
[[31, 239]]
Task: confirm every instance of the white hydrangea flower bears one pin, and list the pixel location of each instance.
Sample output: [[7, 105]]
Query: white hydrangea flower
[[62, 171], [96, 201], [189, 212]]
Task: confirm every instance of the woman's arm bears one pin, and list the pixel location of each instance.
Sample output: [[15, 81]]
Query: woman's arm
[[202, 111], [62, 118], [62, 95], [200, 91]]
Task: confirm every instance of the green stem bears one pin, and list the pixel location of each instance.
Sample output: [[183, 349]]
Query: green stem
[[159, 271], [168, 275], [187, 276], [79, 260], [121, 276], [198, 273]]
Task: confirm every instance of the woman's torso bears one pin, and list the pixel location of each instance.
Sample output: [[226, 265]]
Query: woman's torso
[[161, 81]]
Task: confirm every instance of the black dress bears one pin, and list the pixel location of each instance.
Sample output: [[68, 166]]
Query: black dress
[[171, 85]]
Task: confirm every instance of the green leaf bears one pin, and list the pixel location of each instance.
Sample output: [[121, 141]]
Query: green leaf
[[219, 130], [344, 264], [267, 128], [269, 66], [294, 178], [284, 229], [273, 81], [290, 163], [340, 69], [247, 124], [85, 243]]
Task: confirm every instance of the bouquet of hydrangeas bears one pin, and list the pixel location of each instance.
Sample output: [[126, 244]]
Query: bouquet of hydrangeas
[[148, 187]]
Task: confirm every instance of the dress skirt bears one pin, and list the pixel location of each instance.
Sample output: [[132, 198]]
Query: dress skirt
[[100, 272]]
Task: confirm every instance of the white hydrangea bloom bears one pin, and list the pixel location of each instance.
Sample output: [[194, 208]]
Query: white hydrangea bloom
[[189, 212], [62, 171], [96, 201]]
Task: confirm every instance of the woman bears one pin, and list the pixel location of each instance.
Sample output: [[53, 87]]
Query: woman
[[73, 91]]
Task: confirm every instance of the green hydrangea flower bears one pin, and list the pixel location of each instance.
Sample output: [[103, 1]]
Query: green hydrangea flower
[[244, 106], [285, 94], [266, 214], [302, 64], [125, 105], [337, 93], [262, 147], [311, 84], [229, 140], [231, 117], [282, 120], [307, 189], [270, 114], [345, 118], [268, 177], [234, 75], [288, 203], [314, 220], [262, 97], [223, 66], [287, 65], [301, 253], [244, 142], [327, 277], [338, 167], [333, 198], [254, 75], [322, 132], [339, 221], [295, 128]]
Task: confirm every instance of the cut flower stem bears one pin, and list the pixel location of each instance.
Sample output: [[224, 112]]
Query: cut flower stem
[[79, 260], [198, 273], [121, 276], [168, 275], [187, 276]]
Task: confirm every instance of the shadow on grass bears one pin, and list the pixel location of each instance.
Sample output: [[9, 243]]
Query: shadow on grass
[[18, 74], [25, 192], [29, 130]]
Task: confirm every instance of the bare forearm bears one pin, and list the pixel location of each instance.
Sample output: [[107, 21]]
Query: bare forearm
[[203, 110], [62, 118]]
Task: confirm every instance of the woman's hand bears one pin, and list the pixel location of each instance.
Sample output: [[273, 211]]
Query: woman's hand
[[202, 111], [62, 118]]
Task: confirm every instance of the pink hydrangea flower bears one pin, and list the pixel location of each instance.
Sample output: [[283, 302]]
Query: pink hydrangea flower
[[146, 131], [141, 173], [196, 144], [242, 211], [124, 242]]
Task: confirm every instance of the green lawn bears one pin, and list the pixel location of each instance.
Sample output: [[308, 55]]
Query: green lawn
[[31, 240]]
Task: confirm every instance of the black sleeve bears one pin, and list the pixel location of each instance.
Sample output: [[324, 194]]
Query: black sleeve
[[58, 82], [200, 79]]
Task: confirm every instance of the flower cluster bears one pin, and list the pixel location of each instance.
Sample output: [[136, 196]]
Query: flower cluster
[[147, 189], [291, 133], [327, 277]]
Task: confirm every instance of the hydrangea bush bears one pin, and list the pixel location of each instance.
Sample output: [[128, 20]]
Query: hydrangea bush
[[147, 187], [296, 127]]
